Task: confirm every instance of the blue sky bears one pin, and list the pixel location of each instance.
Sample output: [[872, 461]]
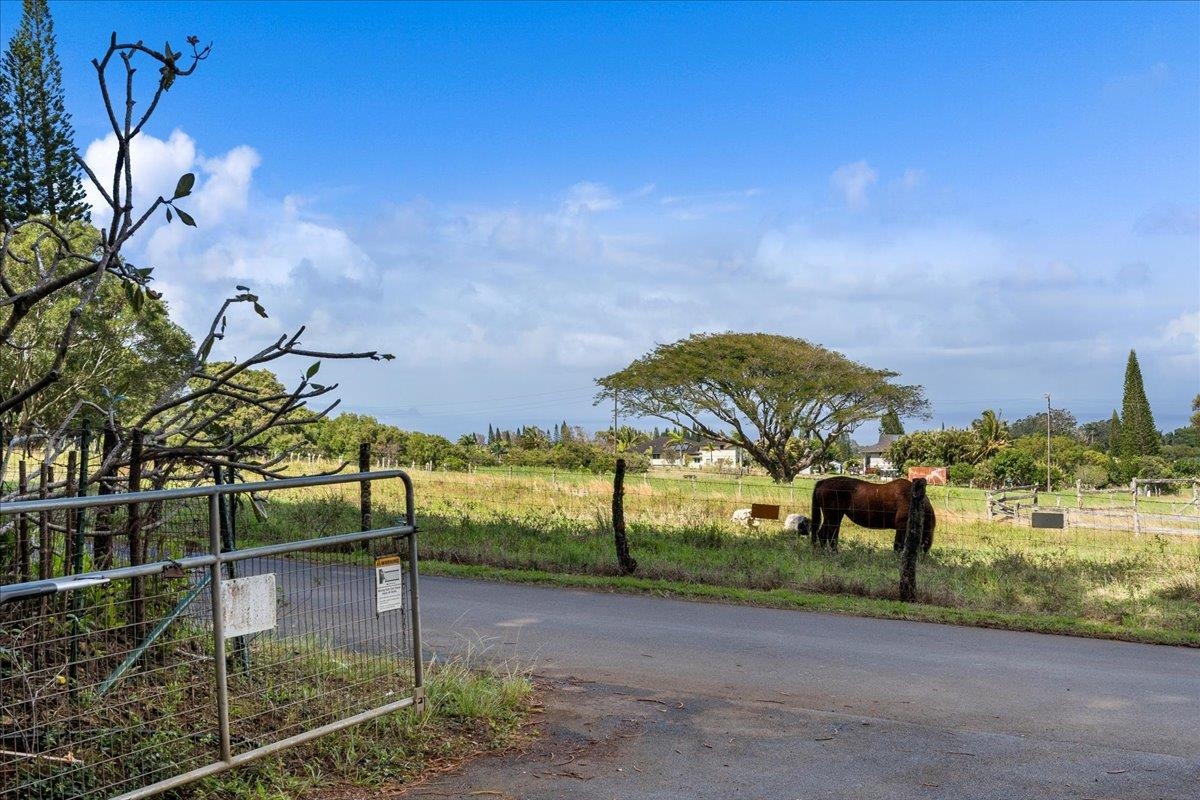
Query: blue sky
[[998, 201]]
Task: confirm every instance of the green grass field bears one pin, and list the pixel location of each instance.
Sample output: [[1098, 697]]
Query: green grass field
[[555, 527]]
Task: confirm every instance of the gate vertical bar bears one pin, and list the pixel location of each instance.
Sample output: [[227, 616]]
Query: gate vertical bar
[[218, 622], [413, 570]]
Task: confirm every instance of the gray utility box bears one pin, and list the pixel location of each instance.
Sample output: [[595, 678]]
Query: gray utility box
[[1048, 519]]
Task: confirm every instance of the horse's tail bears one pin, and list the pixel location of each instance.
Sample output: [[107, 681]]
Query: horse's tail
[[815, 524]]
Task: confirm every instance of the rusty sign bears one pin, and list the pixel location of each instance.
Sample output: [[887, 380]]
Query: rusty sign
[[764, 511]]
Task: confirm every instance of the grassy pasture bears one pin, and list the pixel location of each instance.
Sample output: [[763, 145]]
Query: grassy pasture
[[557, 526]]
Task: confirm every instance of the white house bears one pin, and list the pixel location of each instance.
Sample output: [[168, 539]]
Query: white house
[[875, 456]]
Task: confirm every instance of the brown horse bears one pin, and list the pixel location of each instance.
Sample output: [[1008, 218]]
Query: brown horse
[[872, 505]]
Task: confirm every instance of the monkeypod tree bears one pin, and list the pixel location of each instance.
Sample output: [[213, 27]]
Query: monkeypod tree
[[783, 400]]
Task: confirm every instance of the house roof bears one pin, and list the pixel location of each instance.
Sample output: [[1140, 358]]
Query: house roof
[[882, 446], [659, 445]]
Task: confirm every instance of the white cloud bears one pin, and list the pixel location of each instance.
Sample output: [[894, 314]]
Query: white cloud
[[913, 178], [481, 301], [1184, 330], [156, 163], [1140, 82], [703, 205], [591, 197], [852, 182]]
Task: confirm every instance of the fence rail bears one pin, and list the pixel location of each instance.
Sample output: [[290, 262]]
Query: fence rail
[[131, 680]]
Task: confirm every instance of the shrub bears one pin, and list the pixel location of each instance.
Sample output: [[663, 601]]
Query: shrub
[[961, 474], [1093, 477]]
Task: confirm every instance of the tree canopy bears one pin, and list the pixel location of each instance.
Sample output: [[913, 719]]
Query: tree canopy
[[784, 400], [890, 424], [1062, 423], [120, 359]]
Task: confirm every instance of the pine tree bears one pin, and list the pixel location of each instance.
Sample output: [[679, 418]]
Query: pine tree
[[1114, 434], [890, 423], [1139, 436], [38, 173]]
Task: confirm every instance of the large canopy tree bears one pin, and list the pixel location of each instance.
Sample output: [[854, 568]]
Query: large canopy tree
[[783, 400]]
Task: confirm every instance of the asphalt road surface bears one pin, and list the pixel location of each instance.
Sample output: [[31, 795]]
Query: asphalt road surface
[[652, 698]]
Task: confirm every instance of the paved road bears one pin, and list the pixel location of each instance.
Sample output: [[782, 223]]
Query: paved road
[[658, 698]]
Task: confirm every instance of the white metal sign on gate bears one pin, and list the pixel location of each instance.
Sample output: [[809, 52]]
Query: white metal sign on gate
[[248, 604]]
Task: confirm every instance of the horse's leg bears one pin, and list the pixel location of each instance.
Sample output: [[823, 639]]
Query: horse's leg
[[826, 534], [901, 531], [835, 527]]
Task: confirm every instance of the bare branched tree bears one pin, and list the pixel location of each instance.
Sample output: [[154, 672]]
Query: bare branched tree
[[44, 260]]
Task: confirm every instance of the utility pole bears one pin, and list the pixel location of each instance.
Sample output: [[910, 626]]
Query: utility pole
[[1047, 442], [614, 421]]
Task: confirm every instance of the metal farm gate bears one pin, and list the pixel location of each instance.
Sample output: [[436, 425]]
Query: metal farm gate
[[176, 653]]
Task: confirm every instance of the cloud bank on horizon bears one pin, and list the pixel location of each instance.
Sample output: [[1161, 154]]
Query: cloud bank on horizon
[[503, 313]]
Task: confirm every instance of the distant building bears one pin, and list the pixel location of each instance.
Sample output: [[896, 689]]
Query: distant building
[[875, 456], [664, 453], [692, 454]]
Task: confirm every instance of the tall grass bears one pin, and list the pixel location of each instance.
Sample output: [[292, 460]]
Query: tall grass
[[679, 530]]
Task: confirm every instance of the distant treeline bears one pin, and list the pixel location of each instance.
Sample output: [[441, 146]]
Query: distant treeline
[[563, 446]]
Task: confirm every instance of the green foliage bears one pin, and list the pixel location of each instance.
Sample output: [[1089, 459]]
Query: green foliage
[[890, 424], [122, 357], [38, 173], [1091, 476], [1139, 436], [961, 474], [991, 434], [1011, 467], [1062, 423], [1099, 433], [934, 448], [768, 390], [233, 420]]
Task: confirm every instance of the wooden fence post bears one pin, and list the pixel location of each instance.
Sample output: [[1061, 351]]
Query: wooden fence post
[[912, 540], [1137, 520], [364, 488], [102, 543], [624, 561], [23, 548]]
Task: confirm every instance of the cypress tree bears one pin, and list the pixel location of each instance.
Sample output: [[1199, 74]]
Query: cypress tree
[[1139, 436], [38, 173], [890, 423]]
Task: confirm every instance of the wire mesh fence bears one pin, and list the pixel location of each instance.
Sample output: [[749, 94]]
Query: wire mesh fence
[[176, 653], [682, 529]]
